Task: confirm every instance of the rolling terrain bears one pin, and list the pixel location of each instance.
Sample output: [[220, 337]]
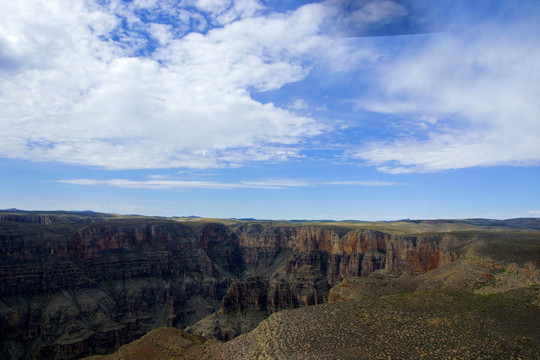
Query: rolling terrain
[[74, 284]]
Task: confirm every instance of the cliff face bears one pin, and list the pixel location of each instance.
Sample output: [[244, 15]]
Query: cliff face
[[297, 266], [31, 219], [72, 289], [357, 253], [88, 290]]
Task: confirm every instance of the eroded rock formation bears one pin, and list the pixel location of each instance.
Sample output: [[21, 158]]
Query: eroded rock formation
[[70, 289]]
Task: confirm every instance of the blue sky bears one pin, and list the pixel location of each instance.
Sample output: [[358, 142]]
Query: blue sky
[[335, 109]]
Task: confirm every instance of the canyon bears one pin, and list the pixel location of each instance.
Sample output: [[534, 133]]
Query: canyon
[[80, 284]]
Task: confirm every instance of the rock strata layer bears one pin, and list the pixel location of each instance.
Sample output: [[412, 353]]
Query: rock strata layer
[[75, 288]]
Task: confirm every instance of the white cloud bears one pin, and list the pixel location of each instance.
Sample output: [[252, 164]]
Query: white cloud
[[227, 11], [298, 104], [75, 89], [353, 18], [474, 96], [205, 184], [157, 176], [380, 11]]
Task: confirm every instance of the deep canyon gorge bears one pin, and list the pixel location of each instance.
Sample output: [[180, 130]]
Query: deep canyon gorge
[[80, 284]]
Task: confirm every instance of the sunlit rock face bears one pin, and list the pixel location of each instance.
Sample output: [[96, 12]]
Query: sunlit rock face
[[70, 288]]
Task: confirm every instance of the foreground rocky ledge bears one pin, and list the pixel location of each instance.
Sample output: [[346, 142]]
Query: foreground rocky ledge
[[442, 324]]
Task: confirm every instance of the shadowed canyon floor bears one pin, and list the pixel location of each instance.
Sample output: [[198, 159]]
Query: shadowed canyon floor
[[80, 284]]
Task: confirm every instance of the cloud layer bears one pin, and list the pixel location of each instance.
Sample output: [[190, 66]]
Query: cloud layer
[[170, 84], [463, 99], [198, 184], [122, 86]]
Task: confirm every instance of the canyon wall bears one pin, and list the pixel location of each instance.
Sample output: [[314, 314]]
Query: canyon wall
[[317, 259], [75, 288]]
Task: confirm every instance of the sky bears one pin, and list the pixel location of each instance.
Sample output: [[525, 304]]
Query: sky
[[331, 109]]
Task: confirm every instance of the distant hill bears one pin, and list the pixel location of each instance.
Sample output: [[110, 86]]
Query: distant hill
[[518, 223]]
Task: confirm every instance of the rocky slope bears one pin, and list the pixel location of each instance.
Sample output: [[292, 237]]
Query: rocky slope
[[442, 324], [163, 343], [75, 284], [439, 324]]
